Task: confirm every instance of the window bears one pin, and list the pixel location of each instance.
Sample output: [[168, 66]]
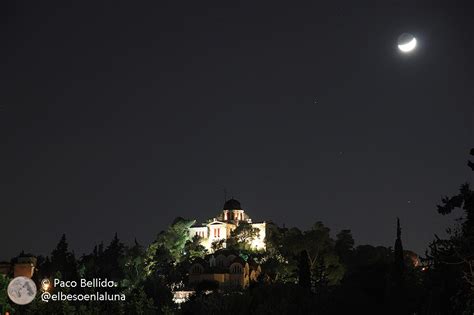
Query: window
[[237, 268]]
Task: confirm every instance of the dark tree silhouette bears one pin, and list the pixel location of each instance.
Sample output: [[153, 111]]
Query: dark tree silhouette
[[304, 272], [63, 261], [113, 260], [395, 295], [399, 262], [344, 245], [452, 259]]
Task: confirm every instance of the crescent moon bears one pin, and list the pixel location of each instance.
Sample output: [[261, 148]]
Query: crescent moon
[[408, 46]]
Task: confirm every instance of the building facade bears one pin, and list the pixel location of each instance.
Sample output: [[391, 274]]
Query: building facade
[[220, 227], [226, 268], [24, 266]]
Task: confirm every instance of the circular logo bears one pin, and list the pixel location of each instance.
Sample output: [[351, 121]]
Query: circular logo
[[21, 290], [45, 284]]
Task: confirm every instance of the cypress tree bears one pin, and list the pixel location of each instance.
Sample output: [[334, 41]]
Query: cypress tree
[[399, 265]]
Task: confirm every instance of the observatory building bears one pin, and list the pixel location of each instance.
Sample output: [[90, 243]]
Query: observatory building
[[219, 228]]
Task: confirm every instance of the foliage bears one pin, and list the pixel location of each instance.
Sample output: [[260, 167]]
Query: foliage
[[344, 245], [169, 247], [113, 260], [5, 305], [63, 261], [138, 302], [284, 247], [193, 248], [206, 285], [304, 273], [134, 267], [323, 260], [242, 236], [262, 299], [217, 244], [452, 259]]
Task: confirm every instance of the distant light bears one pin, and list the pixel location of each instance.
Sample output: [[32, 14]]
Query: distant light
[[406, 42]]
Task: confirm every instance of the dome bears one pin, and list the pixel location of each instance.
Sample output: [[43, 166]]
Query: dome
[[232, 204]]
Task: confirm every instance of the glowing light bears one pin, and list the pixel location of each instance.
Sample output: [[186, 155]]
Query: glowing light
[[45, 284], [408, 46]]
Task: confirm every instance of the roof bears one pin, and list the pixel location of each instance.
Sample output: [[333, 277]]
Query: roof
[[199, 260], [223, 251], [239, 260], [232, 204]]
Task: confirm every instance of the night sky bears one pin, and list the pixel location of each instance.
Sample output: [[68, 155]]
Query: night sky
[[119, 117]]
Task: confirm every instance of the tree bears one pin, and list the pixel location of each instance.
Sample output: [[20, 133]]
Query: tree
[[395, 291], [304, 273], [5, 305], [399, 261], [89, 266], [452, 259], [176, 237], [286, 246], [63, 261], [169, 247], [278, 263], [242, 236], [217, 244], [193, 248], [138, 302], [344, 245], [324, 262], [113, 260], [364, 285], [134, 267]]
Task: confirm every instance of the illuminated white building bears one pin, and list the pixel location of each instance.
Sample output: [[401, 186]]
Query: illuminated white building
[[219, 228]]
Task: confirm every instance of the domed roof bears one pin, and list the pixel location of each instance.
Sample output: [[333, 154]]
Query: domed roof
[[239, 260], [232, 204]]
